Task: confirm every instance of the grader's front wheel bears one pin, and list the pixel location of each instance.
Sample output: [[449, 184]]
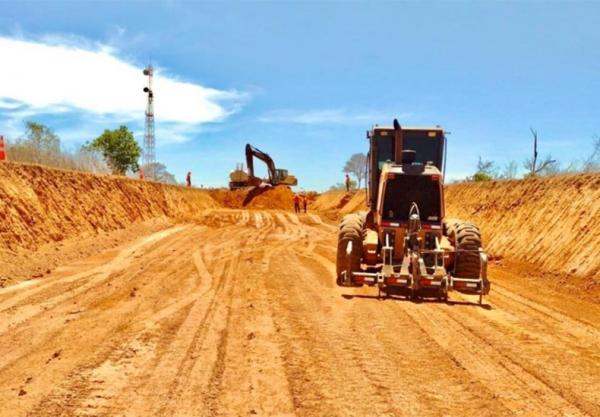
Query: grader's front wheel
[[351, 230], [466, 238]]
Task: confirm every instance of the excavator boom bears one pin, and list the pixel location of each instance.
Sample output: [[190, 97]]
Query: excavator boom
[[251, 153]]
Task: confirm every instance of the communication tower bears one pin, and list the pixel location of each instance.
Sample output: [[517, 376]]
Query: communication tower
[[149, 140]]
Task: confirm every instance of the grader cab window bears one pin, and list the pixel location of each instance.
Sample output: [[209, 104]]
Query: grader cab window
[[428, 147], [385, 150], [403, 190], [427, 150]]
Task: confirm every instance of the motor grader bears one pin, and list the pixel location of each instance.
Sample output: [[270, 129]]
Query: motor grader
[[403, 244]]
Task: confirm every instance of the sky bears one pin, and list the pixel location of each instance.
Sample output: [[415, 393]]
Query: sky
[[304, 81]]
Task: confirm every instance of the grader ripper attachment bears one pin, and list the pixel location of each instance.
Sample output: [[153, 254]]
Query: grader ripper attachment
[[404, 245]]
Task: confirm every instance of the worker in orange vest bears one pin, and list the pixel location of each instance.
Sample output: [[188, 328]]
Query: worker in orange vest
[[2, 149], [296, 203], [305, 202], [141, 173]]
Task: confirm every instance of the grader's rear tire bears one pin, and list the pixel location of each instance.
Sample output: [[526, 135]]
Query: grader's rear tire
[[351, 230], [467, 237]]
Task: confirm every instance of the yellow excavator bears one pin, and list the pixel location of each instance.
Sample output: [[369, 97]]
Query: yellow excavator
[[239, 178]]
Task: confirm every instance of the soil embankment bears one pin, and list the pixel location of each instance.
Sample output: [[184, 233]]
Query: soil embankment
[[40, 205], [279, 197], [553, 223], [334, 204], [49, 217]]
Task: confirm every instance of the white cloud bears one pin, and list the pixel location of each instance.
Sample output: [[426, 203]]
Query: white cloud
[[66, 74], [332, 116], [303, 117], [9, 104]]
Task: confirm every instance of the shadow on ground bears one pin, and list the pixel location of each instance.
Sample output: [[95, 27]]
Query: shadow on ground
[[419, 300]]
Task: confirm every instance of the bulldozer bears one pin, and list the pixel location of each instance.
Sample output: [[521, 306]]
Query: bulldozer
[[404, 245], [240, 178]]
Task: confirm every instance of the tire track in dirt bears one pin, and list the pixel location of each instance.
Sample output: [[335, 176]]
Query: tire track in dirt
[[121, 260], [425, 389], [89, 374], [568, 365], [105, 399], [174, 364], [202, 394], [528, 382], [20, 314], [240, 315], [316, 370], [183, 382], [82, 379], [577, 326], [253, 380], [515, 387]]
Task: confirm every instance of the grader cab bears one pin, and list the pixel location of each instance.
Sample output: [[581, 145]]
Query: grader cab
[[404, 245]]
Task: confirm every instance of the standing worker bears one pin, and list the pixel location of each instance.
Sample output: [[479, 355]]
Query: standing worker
[[296, 203], [141, 172], [305, 202], [188, 179], [347, 183], [2, 149]]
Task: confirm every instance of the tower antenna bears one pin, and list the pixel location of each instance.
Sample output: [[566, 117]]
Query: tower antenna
[[149, 140]]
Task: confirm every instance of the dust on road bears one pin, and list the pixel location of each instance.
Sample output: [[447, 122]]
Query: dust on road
[[239, 315]]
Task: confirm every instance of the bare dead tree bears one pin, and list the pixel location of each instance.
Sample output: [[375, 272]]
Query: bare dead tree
[[592, 162], [532, 164], [510, 170], [357, 165]]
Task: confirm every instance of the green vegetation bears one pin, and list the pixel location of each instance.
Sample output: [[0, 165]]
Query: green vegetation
[[115, 151], [485, 171], [119, 148], [40, 145], [536, 166]]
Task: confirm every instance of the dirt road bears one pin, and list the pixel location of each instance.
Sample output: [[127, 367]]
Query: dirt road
[[239, 315]]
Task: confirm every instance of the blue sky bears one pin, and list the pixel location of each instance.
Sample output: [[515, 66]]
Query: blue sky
[[304, 81]]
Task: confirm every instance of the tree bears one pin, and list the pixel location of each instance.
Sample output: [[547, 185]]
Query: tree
[[44, 140], [119, 149], [531, 164], [592, 162], [357, 166], [553, 168], [39, 145], [510, 170], [160, 173], [485, 170], [89, 160]]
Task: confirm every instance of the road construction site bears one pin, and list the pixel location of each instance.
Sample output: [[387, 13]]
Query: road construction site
[[155, 300]]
